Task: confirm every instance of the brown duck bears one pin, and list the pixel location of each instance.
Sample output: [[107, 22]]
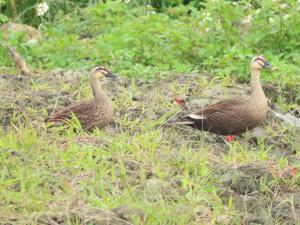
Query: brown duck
[[94, 113], [234, 115]]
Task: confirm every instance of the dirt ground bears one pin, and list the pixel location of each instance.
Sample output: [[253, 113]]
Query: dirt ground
[[259, 192]]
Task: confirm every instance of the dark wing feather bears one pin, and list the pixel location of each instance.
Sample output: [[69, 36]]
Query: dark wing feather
[[79, 109], [222, 107], [219, 117]]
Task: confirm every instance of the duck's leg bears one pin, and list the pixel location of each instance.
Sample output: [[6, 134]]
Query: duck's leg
[[230, 138]]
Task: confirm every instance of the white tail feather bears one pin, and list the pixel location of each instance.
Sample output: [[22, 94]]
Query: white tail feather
[[196, 117], [184, 122]]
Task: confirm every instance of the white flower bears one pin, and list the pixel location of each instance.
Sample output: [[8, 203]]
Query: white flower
[[286, 16], [248, 19], [207, 30], [235, 3], [283, 6], [207, 19], [257, 12], [271, 20], [42, 8], [127, 1], [32, 41], [248, 6]]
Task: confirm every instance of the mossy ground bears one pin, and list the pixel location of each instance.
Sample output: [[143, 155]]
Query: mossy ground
[[141, 169]]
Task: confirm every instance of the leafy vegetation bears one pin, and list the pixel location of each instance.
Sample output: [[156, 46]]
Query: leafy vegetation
[[141, 42], [142, 170]]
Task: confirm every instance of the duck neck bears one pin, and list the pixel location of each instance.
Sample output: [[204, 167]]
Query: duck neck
[[96, 87], [257, 90]]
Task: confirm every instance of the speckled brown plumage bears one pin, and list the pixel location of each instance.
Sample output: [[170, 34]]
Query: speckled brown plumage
[[94, 113], [235, 115]]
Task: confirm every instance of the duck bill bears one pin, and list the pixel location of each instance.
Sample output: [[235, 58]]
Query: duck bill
[[268, 66], [112, 75]]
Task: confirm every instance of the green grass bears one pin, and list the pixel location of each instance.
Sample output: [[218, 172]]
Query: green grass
[[142, 170], [161, 173]]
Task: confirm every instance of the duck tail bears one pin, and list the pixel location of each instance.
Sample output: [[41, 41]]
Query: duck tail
[[49, 119], [54, 120], [184, 122], [192, 120]]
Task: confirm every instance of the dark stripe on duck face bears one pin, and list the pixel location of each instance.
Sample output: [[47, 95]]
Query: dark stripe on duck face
[[266, 64], [100, 69], [263, 61], [103, 71]]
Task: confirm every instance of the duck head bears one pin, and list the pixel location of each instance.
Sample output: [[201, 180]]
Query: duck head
[[259, 63], [100, 72]]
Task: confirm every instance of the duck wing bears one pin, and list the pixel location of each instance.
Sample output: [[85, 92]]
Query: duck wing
[[222, 117], [81, 110], [223, 107]]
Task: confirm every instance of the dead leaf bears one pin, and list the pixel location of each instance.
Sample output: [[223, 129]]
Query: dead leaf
[[288, 172], [180, 102]]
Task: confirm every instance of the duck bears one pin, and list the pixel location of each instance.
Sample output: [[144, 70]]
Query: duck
[[235, 115], [94, 113]]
